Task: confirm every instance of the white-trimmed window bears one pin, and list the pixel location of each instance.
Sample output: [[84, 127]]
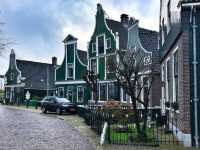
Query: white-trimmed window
[[70, 94], [7, 93], [175, 75], [109, 69], [80, 94], [103, 91], [61, 91], [11, 76], [94, 66], [70, 70], [145, 87], [108, 43], [93, 47], [147, 60], [101, 44]]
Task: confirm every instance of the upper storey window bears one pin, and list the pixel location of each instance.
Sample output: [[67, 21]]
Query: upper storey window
[[100, 44], [70, 70], [169, 15], [11, 76], [108, 43], [93, 47]]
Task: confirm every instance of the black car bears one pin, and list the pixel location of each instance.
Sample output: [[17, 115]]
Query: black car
[[58, 105]]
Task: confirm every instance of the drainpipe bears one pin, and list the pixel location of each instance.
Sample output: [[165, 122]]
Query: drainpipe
[[195, 99], [192, 5]]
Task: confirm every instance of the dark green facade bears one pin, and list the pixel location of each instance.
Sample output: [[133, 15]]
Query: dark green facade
[[69, 76]]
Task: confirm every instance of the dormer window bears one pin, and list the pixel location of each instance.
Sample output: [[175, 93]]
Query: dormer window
[[108, 43], [93, 47], [11, 76], [100, 44], [70, 70]]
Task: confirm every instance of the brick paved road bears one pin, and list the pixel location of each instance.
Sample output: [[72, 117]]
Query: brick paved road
[[23, 130]]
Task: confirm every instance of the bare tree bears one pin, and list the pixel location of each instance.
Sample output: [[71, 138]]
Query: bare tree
[[132, 74], [92, 81], [4, 42]]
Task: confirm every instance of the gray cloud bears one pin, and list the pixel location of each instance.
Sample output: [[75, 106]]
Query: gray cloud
[[39, 26]]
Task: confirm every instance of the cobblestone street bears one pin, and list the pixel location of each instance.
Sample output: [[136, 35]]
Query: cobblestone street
[[23, 130]]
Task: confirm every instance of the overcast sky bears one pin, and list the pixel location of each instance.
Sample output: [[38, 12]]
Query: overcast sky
[[39, 26]]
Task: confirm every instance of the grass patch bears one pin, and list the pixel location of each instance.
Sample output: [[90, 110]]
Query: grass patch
[[128, 135]]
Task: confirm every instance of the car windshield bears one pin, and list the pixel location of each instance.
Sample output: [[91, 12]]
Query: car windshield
[[62, 100]]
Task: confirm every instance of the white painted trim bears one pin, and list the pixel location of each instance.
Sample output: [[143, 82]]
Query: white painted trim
[[66, 67], [79, 59], [63, 90], [102, 55], [71, 90], [173, 79], [70, 82], [15, 85], [105, 71], [185, 138], [67, 71], [93, 47], [74, 69], [77, 94], [106, 43], [188, 4], [71, 42]]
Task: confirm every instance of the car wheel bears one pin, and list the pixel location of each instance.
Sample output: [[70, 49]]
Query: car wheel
[[58, 111], [44, 110]]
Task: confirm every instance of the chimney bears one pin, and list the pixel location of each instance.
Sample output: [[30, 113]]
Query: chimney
[[54, 61], [124, 20]]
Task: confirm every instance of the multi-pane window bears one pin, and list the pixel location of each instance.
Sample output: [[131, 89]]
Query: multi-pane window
[[101, 44], [70, 70], [108, 43], [70, 94], [102, 92], [112, 58], [176, 75], [93, 47], [94, 66], [11, 76], [61, 91], [7, 93], [147, 60], [112, 91], [145, 88], [80, 94], [169, 14], [168, 81]]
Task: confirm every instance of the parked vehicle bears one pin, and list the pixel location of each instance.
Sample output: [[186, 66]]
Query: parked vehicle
[[58, 105]]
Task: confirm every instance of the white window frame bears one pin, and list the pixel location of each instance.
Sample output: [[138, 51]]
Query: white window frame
[[91, 65], [97, 45], [167, 87], [173, 78], [77, 94], [94, 45], [11, 76], [61, 90], [99, 87], [108, 39], [69, 89], [72, 66]]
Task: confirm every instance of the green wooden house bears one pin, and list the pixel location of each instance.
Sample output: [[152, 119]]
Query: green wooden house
[[69, 82], [108, 36], [25, 76]]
